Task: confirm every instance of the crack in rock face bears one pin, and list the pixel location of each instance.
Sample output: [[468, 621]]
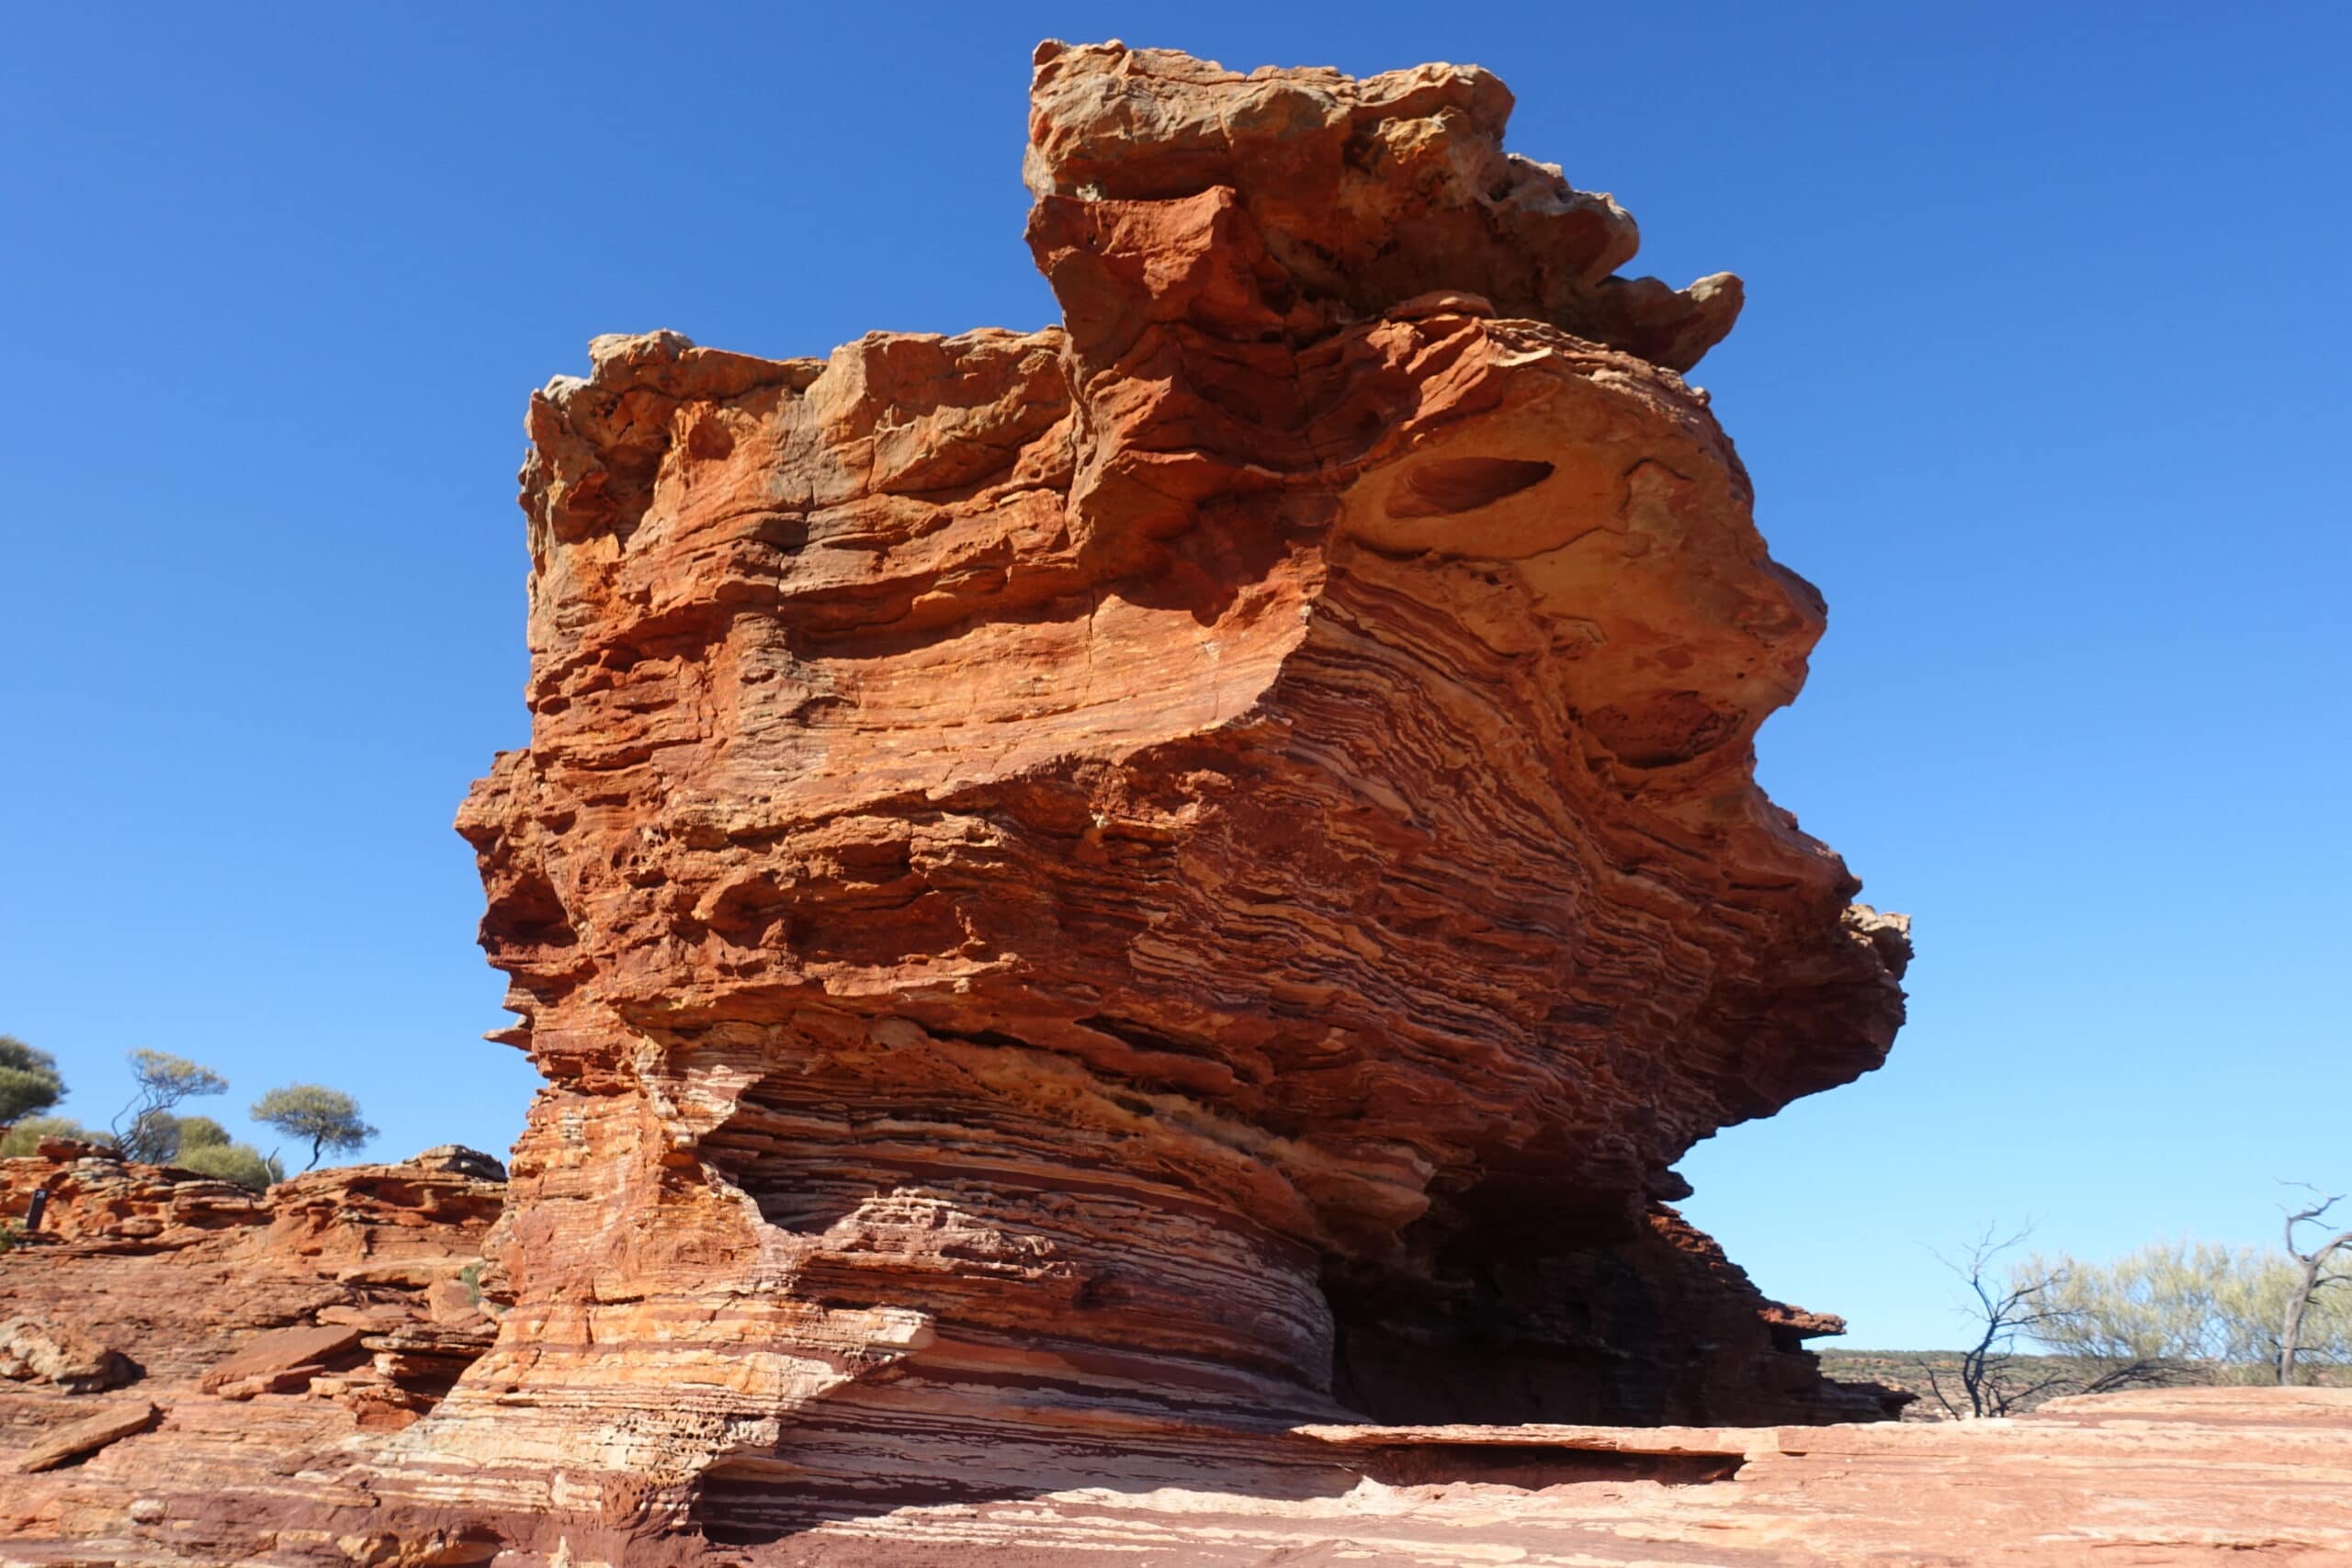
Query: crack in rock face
[[1116, 891]]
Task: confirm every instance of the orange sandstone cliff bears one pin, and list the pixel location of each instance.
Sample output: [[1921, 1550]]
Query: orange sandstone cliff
[[1125, 926], [1192, 869]]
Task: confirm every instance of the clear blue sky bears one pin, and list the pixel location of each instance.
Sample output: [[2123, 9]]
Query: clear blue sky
[[2042, 379]]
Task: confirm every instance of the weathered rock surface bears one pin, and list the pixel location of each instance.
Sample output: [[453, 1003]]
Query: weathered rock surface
[[99, 1201], [1094, 905], [34, 1350], [87, 1436], [2173, 1478], [1152, 881], [257, 1331], [167, 1476], [1362, 196], [269, 1357], [2156, 1480]]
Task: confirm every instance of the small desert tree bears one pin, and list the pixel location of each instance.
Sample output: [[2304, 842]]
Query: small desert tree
[[28, 1079], [2002, 1304], [2037, 1301], [145, 1129], [2328, 1262], [327, 1118]]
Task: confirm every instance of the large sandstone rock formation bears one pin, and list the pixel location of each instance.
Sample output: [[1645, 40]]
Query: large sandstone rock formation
[[1192, 870], [1126, 926], [1152, 902]]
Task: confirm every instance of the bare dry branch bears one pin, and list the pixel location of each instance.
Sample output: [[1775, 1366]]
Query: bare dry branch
[[2313, 1276]]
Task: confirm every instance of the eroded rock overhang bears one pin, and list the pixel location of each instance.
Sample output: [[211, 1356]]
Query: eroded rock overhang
[[1199, 865]]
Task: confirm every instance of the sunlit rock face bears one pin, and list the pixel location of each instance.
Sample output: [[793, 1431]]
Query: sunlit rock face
[[1086, 892]]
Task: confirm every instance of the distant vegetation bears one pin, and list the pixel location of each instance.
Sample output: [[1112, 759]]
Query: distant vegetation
[[30, 1083], [28, 1079], [145, 1129], [239, 1163], [27, 1135], [1914, 1372], [203, 1145], [2172, 1313], [149, 1130], [2196, 1304], [327, 1117]]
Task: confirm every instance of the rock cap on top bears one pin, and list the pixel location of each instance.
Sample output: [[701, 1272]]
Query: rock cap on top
[[1369, 192]]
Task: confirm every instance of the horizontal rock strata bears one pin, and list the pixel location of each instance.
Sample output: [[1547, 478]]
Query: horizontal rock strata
[[166, 1477], [1096, 904], [2182, 1478], [185, 1349], [1145, 881]]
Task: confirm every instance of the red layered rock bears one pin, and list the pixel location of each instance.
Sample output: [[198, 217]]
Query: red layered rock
[[249, 1337], [1099, 904], [94, 1199], [1184, 873], [165, 1475]]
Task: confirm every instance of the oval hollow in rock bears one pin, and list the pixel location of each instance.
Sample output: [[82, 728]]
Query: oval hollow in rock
[[1444, 486]]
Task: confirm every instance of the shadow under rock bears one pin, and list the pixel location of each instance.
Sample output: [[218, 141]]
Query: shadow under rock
[[753, 1500]]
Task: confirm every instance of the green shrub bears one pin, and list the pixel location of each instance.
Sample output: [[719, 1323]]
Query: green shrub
[[2195, 1304], [199, 1133], [239, 1163], [470, 1277], [25, 1138]]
